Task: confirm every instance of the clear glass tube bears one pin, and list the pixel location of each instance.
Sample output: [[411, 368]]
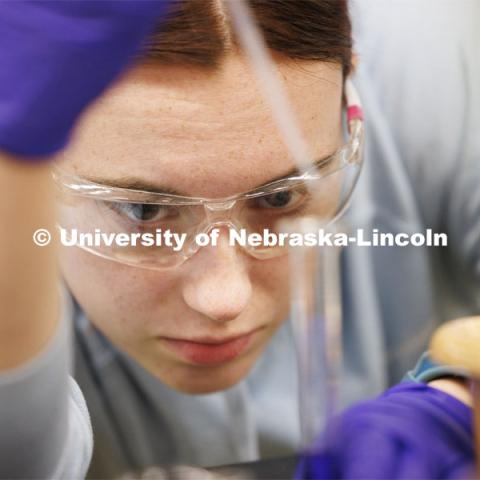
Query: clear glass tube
[[316, 312], [316, 316]]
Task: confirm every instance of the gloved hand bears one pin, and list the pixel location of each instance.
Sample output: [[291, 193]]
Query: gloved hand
[[56, 57], [412, 431]]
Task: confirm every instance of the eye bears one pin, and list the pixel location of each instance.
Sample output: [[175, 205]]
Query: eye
[[144, 212], [283, 200]]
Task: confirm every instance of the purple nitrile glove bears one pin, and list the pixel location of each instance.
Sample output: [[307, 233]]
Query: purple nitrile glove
[[56, 57], [412, 431]]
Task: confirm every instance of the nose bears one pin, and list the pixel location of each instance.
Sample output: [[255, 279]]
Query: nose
[[217, 283]]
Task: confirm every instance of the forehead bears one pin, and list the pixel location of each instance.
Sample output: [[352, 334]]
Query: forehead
[[203, 133]]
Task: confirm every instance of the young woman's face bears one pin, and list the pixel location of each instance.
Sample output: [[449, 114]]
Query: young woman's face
[[206, 135]]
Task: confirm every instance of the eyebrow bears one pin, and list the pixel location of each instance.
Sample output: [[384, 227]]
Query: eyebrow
[[135, 183]]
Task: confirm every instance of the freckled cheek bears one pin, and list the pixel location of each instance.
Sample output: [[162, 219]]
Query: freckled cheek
[[115, 294], [271, 280]]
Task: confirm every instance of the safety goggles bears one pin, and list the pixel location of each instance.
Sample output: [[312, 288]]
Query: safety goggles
[[90, 209]]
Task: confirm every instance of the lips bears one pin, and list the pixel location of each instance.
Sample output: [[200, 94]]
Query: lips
[[208, 351]]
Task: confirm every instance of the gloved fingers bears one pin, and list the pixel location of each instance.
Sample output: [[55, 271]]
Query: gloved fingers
[[410, 432], [57, 57]]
